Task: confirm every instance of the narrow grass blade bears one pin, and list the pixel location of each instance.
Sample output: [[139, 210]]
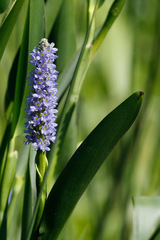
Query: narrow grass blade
[[7, 27], [84, 164]]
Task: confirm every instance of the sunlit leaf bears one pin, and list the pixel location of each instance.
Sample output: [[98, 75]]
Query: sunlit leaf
[[84, 164]]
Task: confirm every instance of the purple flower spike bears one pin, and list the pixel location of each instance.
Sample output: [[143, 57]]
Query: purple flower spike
[[42, 99]]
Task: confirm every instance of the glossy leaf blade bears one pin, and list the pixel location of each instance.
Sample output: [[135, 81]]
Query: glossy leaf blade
[[84, 164]]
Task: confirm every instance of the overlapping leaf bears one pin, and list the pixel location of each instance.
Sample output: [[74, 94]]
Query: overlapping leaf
[[84, 164]]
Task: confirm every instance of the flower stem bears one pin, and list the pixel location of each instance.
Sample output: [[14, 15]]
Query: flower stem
[[41, 165]]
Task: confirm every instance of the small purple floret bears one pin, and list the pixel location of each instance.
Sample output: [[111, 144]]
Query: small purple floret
[[42, 101]]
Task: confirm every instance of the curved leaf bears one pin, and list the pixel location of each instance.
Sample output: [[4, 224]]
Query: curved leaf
[[84, 164]]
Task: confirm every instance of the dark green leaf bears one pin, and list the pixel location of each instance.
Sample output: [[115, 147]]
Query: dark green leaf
[[63, 34], [52, 10], [66, 75], [7, 27], [101, 3], [36, 33], [73, 95], [3, 5], [30, 193], [3, 147], [69, 145], [9, 96], [84, 164], [21, 75]]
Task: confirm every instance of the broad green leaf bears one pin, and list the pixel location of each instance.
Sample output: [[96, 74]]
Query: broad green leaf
[[3, 5], [84, 164], [73, 95], [52, 10], [8, 24], [146, 217], [3, 148], [90, 46], [15, 87], [69, 145], [36, 33], [10, 92], [30, 193], [101, 3], [7, 177], [12, 156], [66, 75], [14, 213], [21, 75], [64, 32], [16, 205]]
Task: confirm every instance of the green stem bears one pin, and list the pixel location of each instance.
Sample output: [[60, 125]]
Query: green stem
[[41, 165], [111, 17]]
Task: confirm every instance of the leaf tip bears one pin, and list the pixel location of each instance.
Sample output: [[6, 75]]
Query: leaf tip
[[141, 94]]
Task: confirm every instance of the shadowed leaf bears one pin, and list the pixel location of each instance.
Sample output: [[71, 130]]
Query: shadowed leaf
[[84, 164]]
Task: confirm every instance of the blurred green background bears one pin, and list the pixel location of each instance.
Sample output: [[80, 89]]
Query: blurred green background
[[127, 61]]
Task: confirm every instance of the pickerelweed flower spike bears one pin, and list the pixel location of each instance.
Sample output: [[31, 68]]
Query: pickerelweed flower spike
[[42, 101]]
